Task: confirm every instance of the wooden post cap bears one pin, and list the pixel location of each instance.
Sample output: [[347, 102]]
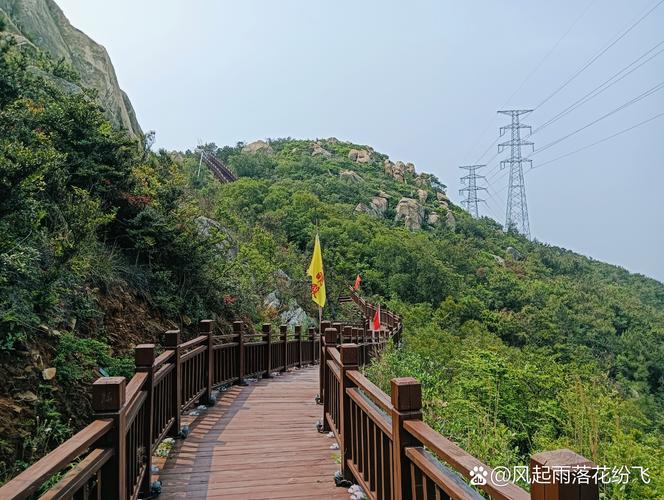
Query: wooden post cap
[[237, 326], [298, 330], [563, 474], [206, 326], [348, 354], [331, 336], [561, 457], [324, 325], [172, 338], [312, 332], [406, 394], [337, 326], [108, 394], [144, 355], [267, 327]]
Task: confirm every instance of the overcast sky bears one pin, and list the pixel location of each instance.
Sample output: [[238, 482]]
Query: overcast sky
[[420, 81]]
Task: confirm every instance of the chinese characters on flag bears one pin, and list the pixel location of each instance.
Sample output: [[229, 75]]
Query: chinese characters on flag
[[317, 275]]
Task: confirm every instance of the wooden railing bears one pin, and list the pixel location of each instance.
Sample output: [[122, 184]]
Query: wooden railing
[[388, 450], [113, 455]]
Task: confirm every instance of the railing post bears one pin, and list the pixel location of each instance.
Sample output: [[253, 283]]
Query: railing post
[[144, 359], [330, 340], [407, 405], [298, 337], [324, 325], [312, 339], [348, 355], [108, 400], [206, 327], [283, 331], [347, 337], [338, 327], [556, 474], [267, 331], [237, 330], [172, 341]]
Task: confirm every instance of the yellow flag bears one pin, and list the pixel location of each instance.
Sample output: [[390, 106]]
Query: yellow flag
[[317, 275]]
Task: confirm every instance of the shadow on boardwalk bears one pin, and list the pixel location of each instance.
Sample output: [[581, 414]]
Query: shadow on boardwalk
[[257, 442]]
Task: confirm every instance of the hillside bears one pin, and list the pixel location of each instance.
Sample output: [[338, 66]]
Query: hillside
[[521, 346], [103, 243]]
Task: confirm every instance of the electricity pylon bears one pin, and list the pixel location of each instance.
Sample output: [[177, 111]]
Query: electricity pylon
[[517, 207], [471, 188]]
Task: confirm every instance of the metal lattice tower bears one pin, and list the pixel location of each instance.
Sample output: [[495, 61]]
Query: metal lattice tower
[[471, 188], [517, 208]]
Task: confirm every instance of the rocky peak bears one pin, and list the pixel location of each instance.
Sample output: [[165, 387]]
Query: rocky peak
[[43, 24]]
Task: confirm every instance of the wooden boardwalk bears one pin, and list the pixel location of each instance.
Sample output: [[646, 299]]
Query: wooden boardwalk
[[258, 441]]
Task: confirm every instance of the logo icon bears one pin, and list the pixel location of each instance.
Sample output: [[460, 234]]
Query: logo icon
[[478, 476]]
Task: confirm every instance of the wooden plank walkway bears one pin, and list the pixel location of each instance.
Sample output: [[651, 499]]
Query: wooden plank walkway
[[257, 442]]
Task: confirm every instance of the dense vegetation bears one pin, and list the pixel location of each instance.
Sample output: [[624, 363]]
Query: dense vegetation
[[517, 351]]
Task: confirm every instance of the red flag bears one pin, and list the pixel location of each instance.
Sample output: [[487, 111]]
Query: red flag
[[358, 280], [376, 320]]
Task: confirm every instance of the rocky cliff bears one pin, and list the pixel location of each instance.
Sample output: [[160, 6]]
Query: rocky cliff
[[43, 24]]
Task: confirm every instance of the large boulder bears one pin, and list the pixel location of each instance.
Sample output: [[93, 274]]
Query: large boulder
[[350, 176], [410, 168], [294, 316], [359, 155], [410, 212], [440, 196], [450, 221], [272, 301], [423, 180], [379, 204], [258, 147], [433, 219], [319, 150], [422, 195]]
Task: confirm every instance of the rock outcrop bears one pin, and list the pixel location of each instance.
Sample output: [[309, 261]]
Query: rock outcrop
[[379, 204], [410, 212], [224, 242], [42, 24], [422, 195], [359, 155], [258, 147], [450, 221], [319, 150], [433, 219], [350, 176]]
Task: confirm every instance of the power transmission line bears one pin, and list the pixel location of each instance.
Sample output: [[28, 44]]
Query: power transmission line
[[471, 188], [587, 146], [636, 99], [517, 207], [600, 54], [602, 87]]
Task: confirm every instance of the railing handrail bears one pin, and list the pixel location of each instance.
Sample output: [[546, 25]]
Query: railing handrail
[[420, 462], [132, 416], [28, 482]]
